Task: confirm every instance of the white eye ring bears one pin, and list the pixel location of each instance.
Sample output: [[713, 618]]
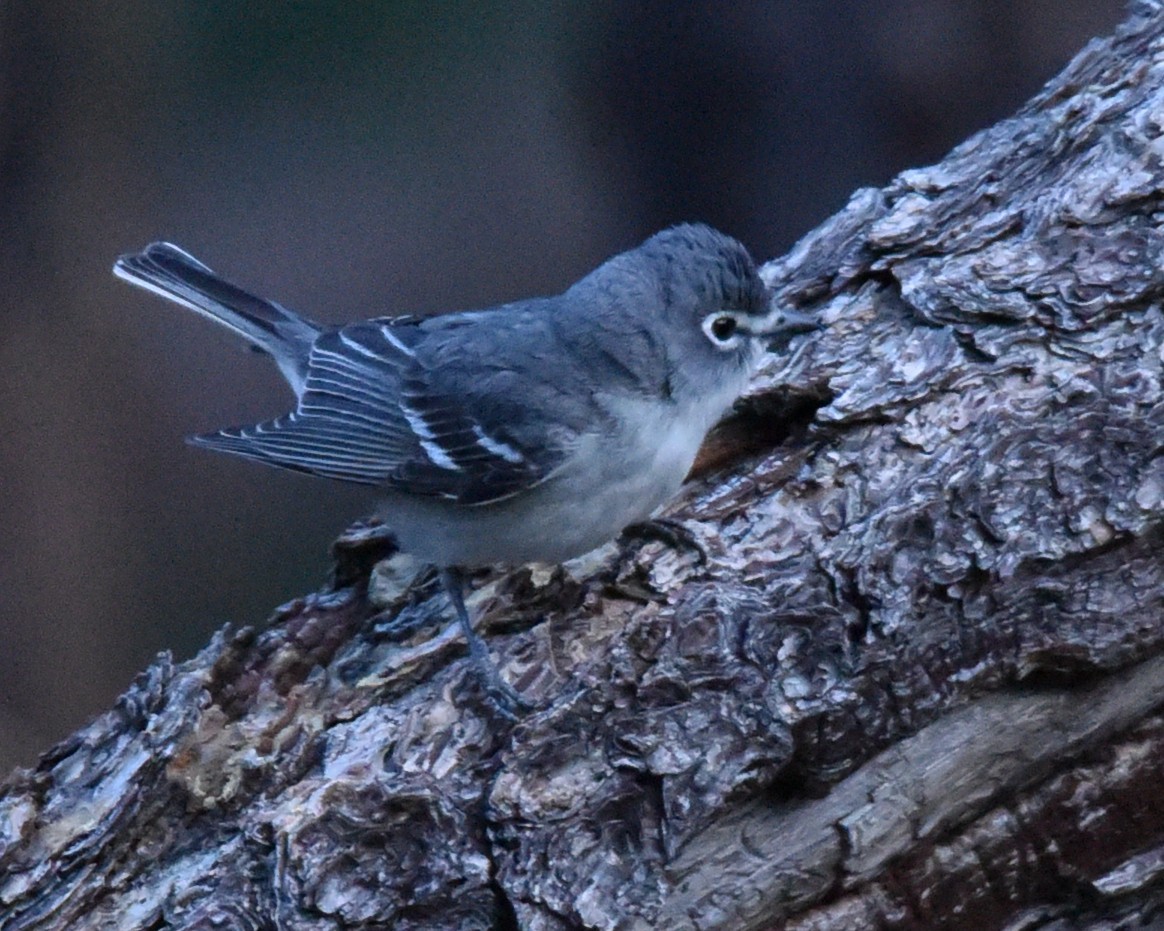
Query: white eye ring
[[723, 330]]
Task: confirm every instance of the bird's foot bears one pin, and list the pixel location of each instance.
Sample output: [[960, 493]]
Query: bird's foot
[[504, 698], [669, 532], [501, 694]]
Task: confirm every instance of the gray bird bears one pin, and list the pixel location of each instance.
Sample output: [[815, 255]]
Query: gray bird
[[531, 432]]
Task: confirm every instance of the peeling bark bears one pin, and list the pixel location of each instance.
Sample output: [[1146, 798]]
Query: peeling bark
[[917, 682]]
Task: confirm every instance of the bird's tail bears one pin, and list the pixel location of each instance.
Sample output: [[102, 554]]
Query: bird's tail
[[177, 276]]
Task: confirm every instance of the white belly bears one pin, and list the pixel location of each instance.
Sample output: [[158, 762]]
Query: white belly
[[609, 482], [612, 483]]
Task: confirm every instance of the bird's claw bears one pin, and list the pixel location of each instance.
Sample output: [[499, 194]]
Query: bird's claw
[[669, 532]]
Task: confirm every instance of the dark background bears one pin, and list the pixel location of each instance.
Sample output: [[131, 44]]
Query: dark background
[[372, 158]]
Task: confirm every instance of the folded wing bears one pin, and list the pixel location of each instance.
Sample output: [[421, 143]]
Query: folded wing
[[376, 410]]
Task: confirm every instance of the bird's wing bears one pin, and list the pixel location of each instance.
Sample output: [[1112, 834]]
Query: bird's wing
[[378, 408]]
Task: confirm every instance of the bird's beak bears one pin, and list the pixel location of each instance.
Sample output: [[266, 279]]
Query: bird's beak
[[780, 324]]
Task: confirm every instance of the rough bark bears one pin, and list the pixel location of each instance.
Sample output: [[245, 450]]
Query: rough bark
[[916, 683]]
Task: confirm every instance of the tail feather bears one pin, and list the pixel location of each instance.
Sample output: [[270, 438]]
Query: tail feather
[[172, 273]]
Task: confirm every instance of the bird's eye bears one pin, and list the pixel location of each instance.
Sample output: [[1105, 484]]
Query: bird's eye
[[722, 328]]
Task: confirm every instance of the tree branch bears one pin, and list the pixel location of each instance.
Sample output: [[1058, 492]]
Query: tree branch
[[916, 682]]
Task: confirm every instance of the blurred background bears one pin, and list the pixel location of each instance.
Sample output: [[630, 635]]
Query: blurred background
[[375, 158]]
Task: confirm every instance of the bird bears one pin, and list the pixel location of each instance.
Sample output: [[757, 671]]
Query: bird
[[533, 431]]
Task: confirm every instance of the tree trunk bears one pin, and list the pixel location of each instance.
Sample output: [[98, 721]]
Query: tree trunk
[[915, 683]]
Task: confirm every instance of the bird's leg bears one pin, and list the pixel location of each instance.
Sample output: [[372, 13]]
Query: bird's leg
[[669, 532], [506, 700]]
